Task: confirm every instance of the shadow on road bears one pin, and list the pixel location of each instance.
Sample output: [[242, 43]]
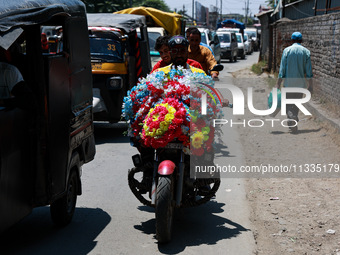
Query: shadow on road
[[221, 151], [36, 234], [110, 133], [300, 131], [196, 226]]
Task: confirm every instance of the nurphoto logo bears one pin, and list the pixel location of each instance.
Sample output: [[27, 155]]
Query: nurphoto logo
[[239, 106]]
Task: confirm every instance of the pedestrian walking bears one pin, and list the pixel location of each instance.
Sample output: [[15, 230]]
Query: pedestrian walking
[[296, 70]]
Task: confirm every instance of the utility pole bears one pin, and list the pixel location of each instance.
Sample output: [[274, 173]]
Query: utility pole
[[221, 12], [130, 2], [246, 12]]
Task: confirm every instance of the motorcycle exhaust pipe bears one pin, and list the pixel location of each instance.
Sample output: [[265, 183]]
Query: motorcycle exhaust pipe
[[154, 183], [180, 181]]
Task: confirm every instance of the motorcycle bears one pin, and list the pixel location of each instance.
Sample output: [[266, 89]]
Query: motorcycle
[[163, 128], [171, 185]]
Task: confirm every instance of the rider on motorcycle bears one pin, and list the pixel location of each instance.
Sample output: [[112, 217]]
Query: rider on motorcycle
[[178, 46], [179, 54]]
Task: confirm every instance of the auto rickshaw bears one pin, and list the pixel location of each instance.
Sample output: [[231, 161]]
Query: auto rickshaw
[[159, 23], [43, 148], [118, 57]]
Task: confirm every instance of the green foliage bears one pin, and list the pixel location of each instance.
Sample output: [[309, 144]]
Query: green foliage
[[157, 4], [273, 3], [109, 6], [258, 68], [95, 6]]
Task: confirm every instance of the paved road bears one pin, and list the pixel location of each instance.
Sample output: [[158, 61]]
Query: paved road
[[110, 220]]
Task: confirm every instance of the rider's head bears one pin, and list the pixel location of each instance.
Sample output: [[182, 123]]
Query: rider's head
[[194, 38], [179, 50], [163, 48]]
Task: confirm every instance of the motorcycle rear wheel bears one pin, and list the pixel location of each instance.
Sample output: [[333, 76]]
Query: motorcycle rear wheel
[[164, 210]]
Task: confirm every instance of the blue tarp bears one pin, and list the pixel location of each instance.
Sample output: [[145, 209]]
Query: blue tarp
[[232, 21]]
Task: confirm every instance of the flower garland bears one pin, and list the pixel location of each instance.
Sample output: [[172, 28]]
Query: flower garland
[[162, 108], [164, 123]]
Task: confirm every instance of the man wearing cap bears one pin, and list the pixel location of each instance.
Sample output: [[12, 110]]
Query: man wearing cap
[[295, 69], [178, 46]]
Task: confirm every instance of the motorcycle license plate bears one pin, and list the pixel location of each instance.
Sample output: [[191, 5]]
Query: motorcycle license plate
[[178, 146]]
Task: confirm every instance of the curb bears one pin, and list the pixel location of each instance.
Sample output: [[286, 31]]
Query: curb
[[322, 115]]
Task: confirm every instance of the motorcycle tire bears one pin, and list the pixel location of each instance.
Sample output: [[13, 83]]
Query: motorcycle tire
[[164, 210]]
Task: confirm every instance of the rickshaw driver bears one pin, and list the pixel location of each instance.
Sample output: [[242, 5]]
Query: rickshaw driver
[[13, 90]]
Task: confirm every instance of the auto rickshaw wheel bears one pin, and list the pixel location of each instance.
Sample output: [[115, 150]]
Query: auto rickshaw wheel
[[62, 209]]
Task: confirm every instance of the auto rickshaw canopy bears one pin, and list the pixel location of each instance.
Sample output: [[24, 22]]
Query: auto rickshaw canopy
[[126, 22], [171, 22], [15, 13]]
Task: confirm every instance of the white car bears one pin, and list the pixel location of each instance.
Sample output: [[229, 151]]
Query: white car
[[240, 45], [252, 33], [229, 47], [247, 44], [211, 39]]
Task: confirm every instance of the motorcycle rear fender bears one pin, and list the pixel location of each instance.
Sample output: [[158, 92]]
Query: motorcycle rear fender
[[166, 167]]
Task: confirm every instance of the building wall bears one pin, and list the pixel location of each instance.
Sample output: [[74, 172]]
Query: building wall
[[266, 39], [321, 35]]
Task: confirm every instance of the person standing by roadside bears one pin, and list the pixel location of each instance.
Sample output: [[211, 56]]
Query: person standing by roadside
[[200, 53], [295, 69]]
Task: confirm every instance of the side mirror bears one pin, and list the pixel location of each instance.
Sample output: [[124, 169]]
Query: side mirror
[[218, 68], [211, 43]]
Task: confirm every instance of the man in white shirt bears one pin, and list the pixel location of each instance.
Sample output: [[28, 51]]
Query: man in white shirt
[[9, 77], [13, 90]]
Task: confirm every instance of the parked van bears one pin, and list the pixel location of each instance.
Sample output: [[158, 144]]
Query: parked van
[[240, 45], [229, 29], [252, 33], [247, 44], [43, 148], [210, 38], [229, 47]]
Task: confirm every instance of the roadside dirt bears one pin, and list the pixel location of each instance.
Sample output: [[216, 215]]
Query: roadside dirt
[[292, 213]]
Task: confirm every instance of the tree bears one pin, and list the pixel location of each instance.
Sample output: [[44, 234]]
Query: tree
[[273, 3], [95, 6], [157, 4]]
